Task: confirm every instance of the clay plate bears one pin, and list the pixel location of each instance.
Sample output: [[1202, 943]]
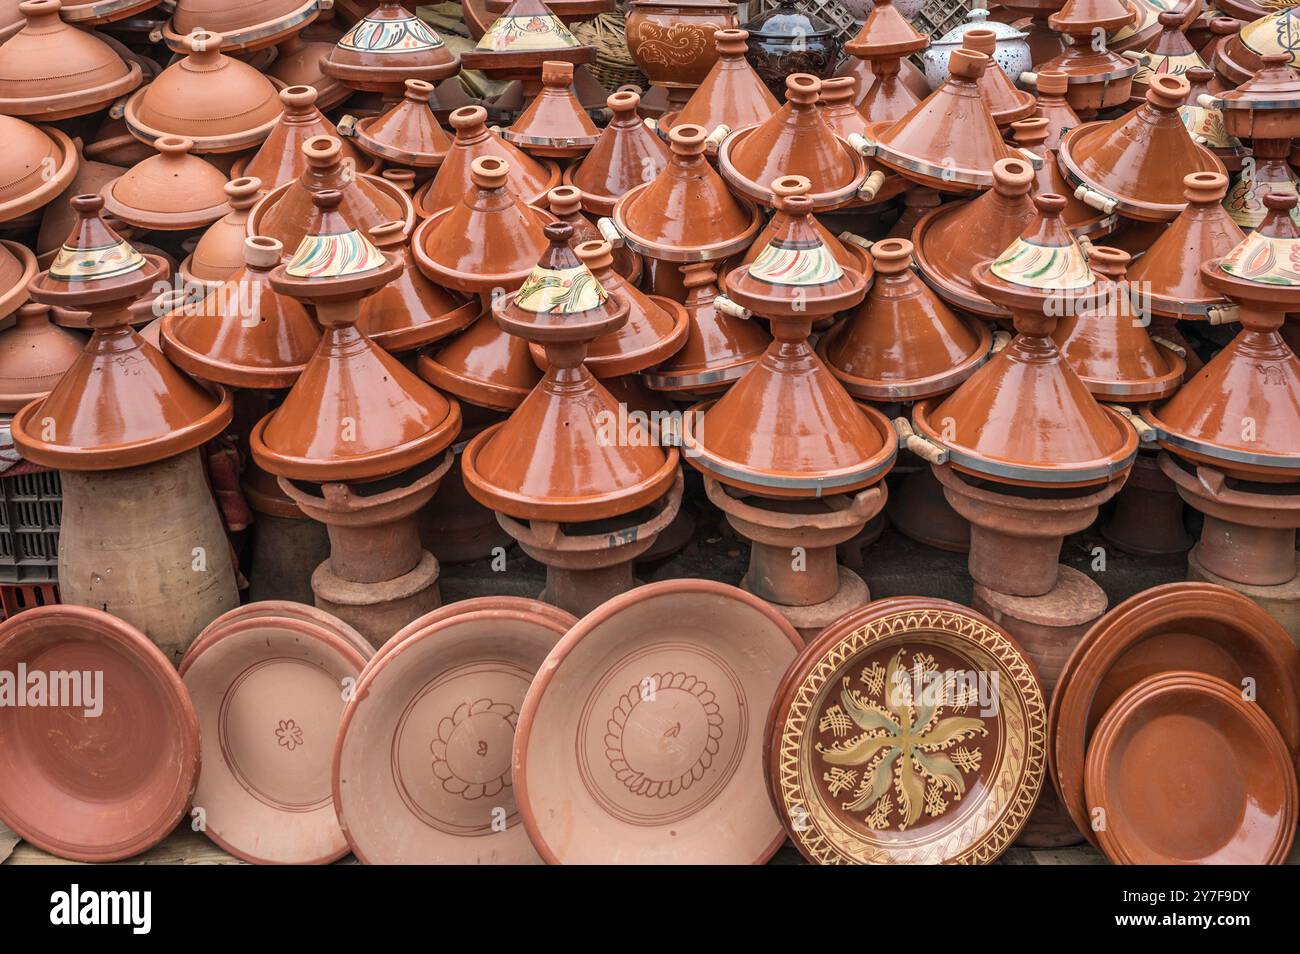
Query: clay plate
[[640, 740], [105, 787], [269, 692], [1196, 627], [300, 612], [1184, 770], [973, 767], [422, 759]]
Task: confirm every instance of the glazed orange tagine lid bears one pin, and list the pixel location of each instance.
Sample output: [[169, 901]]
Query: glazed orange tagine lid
[[244, 27], [624, 155], [355, 413], [408, 134], [52, 70], [388, 46], [1240, 412], [554, 124], [1036, 135], [121, 403], [1025, 417], [172, 191], [948, 141], [549, 461], [280, 158], [885, 39], [1135, 164], [529, 178], [903, 343], [788, 428], [219, 253], [221, 103], [34, 354], [686, 213], [731, 95], [1006, 103]]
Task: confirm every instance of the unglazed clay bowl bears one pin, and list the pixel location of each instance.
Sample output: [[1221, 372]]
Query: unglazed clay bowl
[[106, 785], [300, 612], [1196, 627], [422, 770], [269, 691], [942, 768], [1183, 769], [640, 740]]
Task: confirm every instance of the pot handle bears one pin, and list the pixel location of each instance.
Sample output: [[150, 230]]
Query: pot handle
[[1033, 158], [871, 185], [347, 126], [1173, 346], [1146, 433], [1029, 78], [1000, 340], [853, 238], [925, 449], [1206, 101], [1096, 200], [728, 307], [608, 229], [1223, 314], [651, 124], [720, 132], [865, 147]]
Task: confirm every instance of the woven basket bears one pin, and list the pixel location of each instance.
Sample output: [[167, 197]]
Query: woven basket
[[614, 66]]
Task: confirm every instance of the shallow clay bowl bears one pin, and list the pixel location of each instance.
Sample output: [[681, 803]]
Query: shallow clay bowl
[[958, 786], [286, 608], [1184, 770], [101, 787], [1196, 627], [422, 769], [269, 692], [640, 740]]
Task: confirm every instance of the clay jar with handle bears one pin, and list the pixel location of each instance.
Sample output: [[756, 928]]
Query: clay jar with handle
[[554, 125], [219, 253], [731, 95], [408, 134], [172, 191], [280, 159], [222, 104], [54, 71], [626, 155], [529, 178], [673, 42]]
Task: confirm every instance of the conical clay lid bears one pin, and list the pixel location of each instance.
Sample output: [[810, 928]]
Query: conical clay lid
[[280, 158], [34, 354], [624, 155], [1081, 219], [731, 95], [1006, 103], [408, 134], [171, 191], [885, 34], [554, 124], [848, 255], [1170, 270], [388, 46], [903, 343], [355, 413], [219, 253]]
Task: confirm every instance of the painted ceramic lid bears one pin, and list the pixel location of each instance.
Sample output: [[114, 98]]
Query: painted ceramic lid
[[422, 762], [243, 26], [38, 163], [280, 158], [1184, 769], [34, 354], [56, 71], [408, 134], [173, 190], [1192, 626], [527, 26], [269, 692], [97, 782], [388, 46], [909, 732], [640, 741], [222, 104]]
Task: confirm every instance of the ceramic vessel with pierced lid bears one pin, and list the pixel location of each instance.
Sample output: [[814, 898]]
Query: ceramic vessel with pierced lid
[[172, 191], [39, 162], [34, 354]]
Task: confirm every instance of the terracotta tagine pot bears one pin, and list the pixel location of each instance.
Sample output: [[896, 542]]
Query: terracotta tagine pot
[[1135, 164], [53, 70], [244, 334], [1242, 53], [445, 797], [849, 249], [57, 217], [686, 212], [388, 46], [104, 783], [1169, 53], [885, 39], [554, 125], [786, 40], [39, 163], [219, 253], [288, 214], [924, 146], [1034, 135], [520, 40], [34, 354], [280, 159], [18, 266], [1169, 272], [951, 239], [1269, 172], [1236, 414], [266, 690], [509, 467], [731, 95], [1266, 110], [408, 134], [243, 28], [1006, 102], [529, 178], [624, 796], [1099, 77], [672, 42], [221, 103], [484, 365], [298, 63], [171, 191], [794, 141], [842, 680], [1115, 355], [626, 155], [903, 343]]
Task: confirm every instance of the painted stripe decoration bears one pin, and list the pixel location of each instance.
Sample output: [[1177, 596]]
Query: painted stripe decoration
[[803, 264], [407, 35], [1269, 261], [1052, 267], [560, 291], [526, 33], [331, 256], [91, 264]]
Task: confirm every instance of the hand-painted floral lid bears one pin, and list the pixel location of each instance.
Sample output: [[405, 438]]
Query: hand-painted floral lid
[[93, 257], [388, 46], [527, 26], [1045, 256]]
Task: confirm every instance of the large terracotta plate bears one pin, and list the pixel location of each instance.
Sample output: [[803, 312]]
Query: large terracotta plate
[[105, 783], [640, 740], [422, 770], [1198, 627], [1183, 769], [298, 611], [944, 767], [269, 691]]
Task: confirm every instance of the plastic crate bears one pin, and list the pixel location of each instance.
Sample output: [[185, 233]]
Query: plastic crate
[[936, 18], [16, 597], [939, 16], [31, 509]]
